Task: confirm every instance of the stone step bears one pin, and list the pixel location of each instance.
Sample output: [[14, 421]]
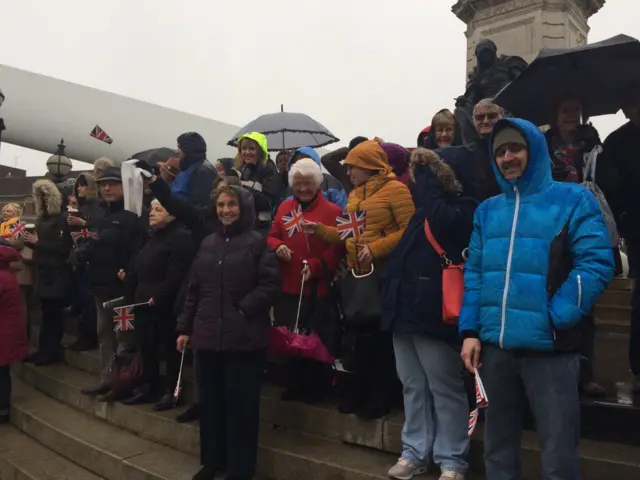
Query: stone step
[[615, 297], [97, 446], [613, 315], [598, 459], [623, 284], [22, 458], [611, 358], [285, 453]]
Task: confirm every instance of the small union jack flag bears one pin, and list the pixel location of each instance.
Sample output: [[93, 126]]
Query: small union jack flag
[[351, 224], [84, 234], [482, 401], [16, 230], [293, 221], [123, 317], [99, 134]]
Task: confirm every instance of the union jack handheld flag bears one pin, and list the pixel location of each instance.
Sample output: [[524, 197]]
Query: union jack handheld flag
[[16, 230], [101, 135], [123, 317], [84, 234], [351, 224], [481, 402], [293, 221]]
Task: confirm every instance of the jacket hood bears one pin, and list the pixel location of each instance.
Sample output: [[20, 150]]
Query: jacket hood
[[398, 157], [370, 156], [227, 164], [430, 133], [247, 211], [8, 255], [260, 139], [47, 197], [92, 187], [537, 174], [194, 147], [445, 175], [307, 152]]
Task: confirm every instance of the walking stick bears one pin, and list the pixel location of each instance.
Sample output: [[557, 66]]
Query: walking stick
[[178, 389], [295, 328]]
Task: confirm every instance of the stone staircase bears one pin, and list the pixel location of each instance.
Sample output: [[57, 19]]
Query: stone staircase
[[74, 437]]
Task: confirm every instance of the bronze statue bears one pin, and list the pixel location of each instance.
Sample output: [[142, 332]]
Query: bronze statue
[[490, 75]]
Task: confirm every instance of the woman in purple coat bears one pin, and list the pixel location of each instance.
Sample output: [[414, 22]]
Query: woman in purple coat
[[233, 284]]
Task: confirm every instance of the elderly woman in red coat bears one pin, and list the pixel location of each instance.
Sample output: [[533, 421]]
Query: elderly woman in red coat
[[13, 333], [308, 380]]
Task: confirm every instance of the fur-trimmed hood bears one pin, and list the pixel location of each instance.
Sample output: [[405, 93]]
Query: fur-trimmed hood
[[445, 175], [47, 197], [92, 186]]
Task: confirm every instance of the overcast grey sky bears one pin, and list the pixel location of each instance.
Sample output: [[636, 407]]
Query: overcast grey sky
[[360, 67]]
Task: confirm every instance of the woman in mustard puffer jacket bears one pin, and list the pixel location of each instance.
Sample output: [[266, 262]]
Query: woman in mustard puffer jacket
[[389, 208]]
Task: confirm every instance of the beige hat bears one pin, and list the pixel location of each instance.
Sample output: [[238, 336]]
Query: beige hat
[[508, 135]]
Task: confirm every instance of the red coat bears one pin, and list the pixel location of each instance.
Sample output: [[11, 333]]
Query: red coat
[[13, 329], [320, 211]]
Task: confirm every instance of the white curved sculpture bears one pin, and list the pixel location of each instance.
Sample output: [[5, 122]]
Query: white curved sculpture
[[38, 111]]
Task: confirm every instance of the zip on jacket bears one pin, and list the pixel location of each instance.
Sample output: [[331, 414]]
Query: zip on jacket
[[509, 260]]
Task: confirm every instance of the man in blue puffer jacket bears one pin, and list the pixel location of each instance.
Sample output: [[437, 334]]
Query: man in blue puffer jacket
[[539, 257], [331, 186]]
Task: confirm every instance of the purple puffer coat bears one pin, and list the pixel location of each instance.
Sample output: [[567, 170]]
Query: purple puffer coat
[[233, 283]]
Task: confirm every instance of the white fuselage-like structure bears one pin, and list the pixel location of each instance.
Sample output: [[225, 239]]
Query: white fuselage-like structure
[[38, 111]]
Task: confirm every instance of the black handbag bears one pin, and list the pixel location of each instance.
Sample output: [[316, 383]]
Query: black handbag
[[360, 298]]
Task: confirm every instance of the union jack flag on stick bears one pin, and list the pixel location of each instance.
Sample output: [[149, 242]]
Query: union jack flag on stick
[[16, 230], [99, 134], [293, 221], [123, 317], [351, 224], [84, 234], [482, 401]]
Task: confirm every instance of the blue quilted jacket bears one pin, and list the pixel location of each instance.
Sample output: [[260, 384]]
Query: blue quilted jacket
[[508, 299]]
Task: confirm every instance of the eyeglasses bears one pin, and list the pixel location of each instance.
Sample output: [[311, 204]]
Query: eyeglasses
[[479, 117]]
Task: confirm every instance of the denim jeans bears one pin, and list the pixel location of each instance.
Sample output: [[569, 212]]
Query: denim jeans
[[435, 402], [550, 383]]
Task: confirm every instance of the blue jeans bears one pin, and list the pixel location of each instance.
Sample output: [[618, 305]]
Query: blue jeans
[[435, 402], [550, 383]]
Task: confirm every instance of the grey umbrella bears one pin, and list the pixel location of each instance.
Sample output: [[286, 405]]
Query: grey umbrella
[[285, 130]]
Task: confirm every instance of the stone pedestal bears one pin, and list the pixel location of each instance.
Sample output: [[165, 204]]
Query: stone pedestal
[[523, 27]]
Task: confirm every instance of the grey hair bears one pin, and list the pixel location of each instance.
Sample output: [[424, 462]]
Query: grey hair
[[103, 162], [488, 102], [306, 167]]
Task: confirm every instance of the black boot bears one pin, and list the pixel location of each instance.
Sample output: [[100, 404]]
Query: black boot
[[165, 403], [142, 394], [84, 344], [205, 473], [353, 396], [32, 357], [191, 414]]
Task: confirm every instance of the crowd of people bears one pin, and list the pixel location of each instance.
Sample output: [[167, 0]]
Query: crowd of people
[[219, 257]]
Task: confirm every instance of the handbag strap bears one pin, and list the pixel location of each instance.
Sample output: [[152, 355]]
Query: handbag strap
[[434, 243]]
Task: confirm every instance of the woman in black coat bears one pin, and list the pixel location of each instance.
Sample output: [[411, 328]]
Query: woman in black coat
[[51, 244], [233, 283], [427, 359], [159, 270]]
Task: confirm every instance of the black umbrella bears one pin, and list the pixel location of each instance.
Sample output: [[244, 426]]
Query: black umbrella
[[285, 130], [155, 155], [596, 73]]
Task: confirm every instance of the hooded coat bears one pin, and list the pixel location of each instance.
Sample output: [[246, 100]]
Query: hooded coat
[[412, 294], [262, 180], [331, 187], [427, 136], [13, 329], [195, 180], [233, 283], [387, 203], [539, 257], [52, 250]]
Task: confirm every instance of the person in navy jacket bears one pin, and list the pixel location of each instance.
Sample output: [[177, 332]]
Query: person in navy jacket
[[539, 257]]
